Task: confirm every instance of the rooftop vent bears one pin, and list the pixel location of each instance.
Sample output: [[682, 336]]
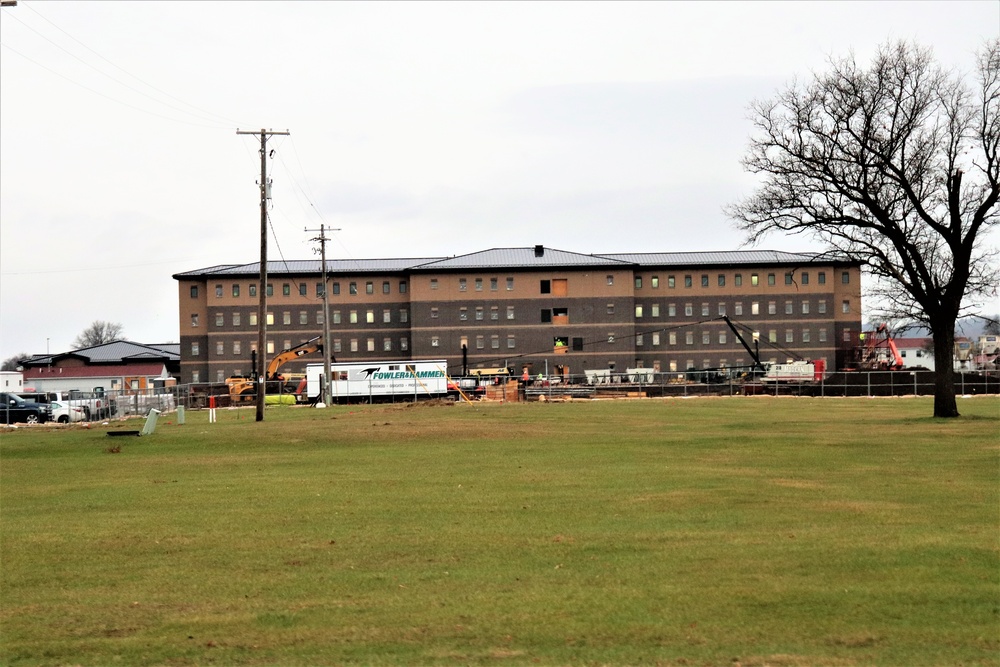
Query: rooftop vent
[[539, 250]]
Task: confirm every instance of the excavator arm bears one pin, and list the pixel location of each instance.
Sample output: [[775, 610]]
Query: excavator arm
[[285, 356]]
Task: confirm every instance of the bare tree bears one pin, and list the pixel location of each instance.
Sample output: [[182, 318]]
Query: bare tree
[[11, 363], [894, 166], [98, 333]]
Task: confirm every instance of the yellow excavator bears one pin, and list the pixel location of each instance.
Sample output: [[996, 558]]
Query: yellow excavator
[[242, 388]]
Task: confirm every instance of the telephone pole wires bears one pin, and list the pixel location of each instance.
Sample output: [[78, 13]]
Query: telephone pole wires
[[265, 194], [327, 349]]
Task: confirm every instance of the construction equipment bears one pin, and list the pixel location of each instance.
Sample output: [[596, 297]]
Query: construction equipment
[[879, 352], [244, 388]]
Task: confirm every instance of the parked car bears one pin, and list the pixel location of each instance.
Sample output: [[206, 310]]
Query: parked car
[[16, 410], [67, 414]]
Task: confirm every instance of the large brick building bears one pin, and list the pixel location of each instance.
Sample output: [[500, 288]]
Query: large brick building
[[536, 307]]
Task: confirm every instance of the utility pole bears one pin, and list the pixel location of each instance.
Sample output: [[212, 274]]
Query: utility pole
[[265, 194], [327, 349]]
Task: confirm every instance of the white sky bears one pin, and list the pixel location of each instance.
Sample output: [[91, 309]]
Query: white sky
[[418, 129]]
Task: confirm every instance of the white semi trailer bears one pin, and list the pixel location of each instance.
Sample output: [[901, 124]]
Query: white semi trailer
[[371, 381]]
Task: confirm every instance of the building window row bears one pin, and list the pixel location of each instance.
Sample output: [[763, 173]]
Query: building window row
[[721, 279]]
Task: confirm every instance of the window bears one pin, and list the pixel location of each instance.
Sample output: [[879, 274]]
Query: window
[[704, 280], [253, 290], [510, 284], [386, 289], [479, 284], [302, 289], [353, 317], [370, 345], [510, 312], [387, 316], [353, 288], [772, 335], [402, 288], [303, 317], [369, 288], [404, 315], [671, 282], [270, 319], [236, 290], [479, 313], [434, 312], [638, 282], [738, 280], [386, 344], [237, 348], [821, 277], [319, 289], [270, 347], [722, 280], [510, 342], [722, 338], [654, 282], [688, 310], [845, 278], [546, 316], [805, 278], [638, 311], [687, 281], [770, 279], [672, 310], [270, 289], [821, 306], [194, 349], [789, 336], [706, 338], [354, 345], [805, 336], [672, 337], [336, 289], [404, 343], [638, 340], [370, 316], [654, 310], [434, 283], [494, 313], [738, 308], [462, 285], [195, 376], [337, 345], [544, 287], [689, 338], [494, 284], [772, 308], [218, 291], [336, 317], [286, 317], [789, 308], [194, 319], [805, 307], [722, 310], [704, 310], [194, 291], [253, 319], [656, 337], [610, 279], [286, 290], [220, 376], [480, 342], [845, 306], [236, 319], [754, 279], [320, 319], [495, 342], [755, 308], [463, 313], [789, 279]]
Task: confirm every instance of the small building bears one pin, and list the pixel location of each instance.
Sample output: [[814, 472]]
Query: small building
[[11, 381], [120, 366]]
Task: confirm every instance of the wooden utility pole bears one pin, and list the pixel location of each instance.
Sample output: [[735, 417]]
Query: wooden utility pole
[[327, 350], [265, 194]]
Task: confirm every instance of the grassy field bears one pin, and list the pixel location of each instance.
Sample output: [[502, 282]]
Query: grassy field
[[679, 532]]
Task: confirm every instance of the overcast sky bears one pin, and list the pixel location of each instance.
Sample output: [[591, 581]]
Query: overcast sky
[[418, 129]]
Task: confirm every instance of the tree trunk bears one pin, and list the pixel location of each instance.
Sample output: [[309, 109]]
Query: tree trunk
[[945, 404]]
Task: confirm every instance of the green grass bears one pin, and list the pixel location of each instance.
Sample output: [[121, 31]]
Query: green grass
[[680, 532]]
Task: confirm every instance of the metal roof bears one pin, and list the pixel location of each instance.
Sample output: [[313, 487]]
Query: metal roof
[[511, 258], [113, 352]]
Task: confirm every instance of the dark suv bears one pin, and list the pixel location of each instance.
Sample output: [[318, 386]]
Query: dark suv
[[16, 410]]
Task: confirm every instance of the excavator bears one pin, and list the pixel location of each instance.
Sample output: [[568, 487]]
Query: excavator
[[243, 388], [879, 351]]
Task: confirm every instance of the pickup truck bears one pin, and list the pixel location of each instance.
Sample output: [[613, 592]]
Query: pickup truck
[[95, 405], [16, 410]]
